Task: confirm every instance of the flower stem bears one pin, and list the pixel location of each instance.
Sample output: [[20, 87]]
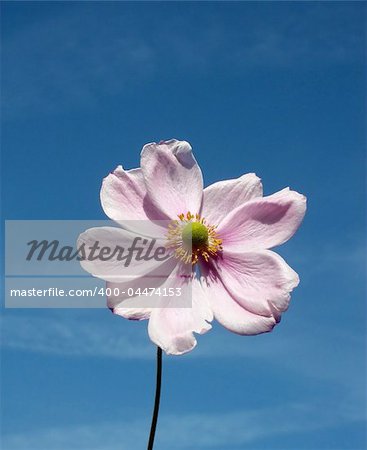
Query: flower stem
[[156, 400]]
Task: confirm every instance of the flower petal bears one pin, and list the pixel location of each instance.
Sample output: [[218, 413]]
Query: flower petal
[[201, 301], [260, 281], [128, 299], [117, 262], [263, 223], [231, 314], [172, 176], [172, 329], [222, 197], [124, 197]]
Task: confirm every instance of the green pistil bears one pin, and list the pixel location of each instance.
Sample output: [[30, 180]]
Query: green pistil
[[195, 235]]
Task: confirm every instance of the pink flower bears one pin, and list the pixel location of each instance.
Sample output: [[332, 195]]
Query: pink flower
[[235, 277]]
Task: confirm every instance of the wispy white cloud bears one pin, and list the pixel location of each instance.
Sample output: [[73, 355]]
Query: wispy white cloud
[[57, 64], [120, 339], [189, 431], [60, 62], [73, 337], [311, 354], [331, 257]]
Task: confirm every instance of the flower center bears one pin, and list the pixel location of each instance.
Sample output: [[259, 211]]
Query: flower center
[[195, 234], [192, 238]]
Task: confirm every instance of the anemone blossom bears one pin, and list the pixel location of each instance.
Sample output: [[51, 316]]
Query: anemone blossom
[[218, 240]]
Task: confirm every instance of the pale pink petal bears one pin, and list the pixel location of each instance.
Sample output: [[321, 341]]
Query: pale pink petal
[[172, 176], [222, 197], [138, 313], [263, 223], [124, 197], [231, 314], [114, 264], [260, 281], [129, 299], [172, 328], [201, 301]]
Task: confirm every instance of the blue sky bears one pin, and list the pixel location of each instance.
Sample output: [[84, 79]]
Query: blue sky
[[275, 88]]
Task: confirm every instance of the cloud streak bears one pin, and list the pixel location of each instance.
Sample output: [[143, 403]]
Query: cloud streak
[[294, 350], [200, 431], [54, 63]]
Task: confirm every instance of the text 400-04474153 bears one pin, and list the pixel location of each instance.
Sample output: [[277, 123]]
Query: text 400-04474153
[[131, 292]]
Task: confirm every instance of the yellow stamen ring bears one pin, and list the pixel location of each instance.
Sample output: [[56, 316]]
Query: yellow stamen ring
[[191, 238]]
